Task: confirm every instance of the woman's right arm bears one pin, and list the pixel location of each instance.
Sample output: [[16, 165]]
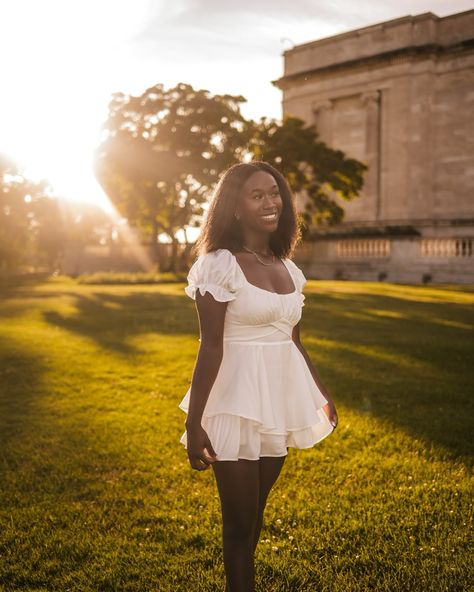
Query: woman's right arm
[[211, 315]]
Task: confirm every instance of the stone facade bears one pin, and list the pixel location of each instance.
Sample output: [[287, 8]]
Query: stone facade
[[399, 96]]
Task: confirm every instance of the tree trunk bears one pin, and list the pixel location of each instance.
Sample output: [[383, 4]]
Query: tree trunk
[[155, 246], [174, 255]]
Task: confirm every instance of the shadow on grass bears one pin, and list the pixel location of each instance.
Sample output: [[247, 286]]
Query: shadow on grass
[[111, 320], [25, 417], [89, 481], [12, 285], [389, 355], [401, 360], [64, 485], [21, 374]]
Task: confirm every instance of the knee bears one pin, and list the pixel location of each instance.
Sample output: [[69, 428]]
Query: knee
[[239, 530]]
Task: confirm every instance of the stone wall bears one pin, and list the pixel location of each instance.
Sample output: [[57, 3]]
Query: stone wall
[[410, 260], [399, 96]]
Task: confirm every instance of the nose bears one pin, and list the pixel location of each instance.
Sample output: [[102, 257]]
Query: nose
[[268, 201]]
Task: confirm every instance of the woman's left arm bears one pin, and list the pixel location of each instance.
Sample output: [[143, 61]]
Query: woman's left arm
[[330, 408]]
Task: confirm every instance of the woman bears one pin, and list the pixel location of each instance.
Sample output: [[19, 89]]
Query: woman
[[254, 391]]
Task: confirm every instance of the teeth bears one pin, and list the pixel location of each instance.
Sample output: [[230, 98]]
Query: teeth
[[270, 217]]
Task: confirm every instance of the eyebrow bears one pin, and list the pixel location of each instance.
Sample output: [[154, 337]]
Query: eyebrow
[[258, 190]]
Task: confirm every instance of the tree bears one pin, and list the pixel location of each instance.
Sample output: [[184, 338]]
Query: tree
[[48, 233], [310, 166], [29, 220], [162, 153]]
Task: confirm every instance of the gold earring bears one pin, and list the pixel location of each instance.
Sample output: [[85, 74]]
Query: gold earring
[[237, 215]]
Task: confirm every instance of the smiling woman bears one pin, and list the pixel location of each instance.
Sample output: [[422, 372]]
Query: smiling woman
[[254, 391], [59, 85]]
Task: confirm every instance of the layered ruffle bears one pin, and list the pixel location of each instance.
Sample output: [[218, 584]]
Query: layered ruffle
[[263, 401]]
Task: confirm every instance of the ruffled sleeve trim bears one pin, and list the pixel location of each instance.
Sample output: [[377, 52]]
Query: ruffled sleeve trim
[[218, 293], [215, 272]]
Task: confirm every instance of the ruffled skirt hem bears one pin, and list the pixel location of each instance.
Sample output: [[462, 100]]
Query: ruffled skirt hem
[[264, 400], [236, 437]]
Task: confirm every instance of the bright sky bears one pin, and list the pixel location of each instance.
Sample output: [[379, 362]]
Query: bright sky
[[63, 59]]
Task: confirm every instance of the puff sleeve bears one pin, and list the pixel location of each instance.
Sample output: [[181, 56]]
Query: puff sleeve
[[298, 278], [215, 272]]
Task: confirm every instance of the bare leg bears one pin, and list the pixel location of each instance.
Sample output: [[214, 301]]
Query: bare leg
[[270, 468], [238, 486]]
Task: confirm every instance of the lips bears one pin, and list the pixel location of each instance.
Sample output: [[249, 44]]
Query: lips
[[270, 217]]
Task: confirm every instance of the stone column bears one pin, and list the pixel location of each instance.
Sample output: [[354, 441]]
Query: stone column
[[373, 135], [322, 111]]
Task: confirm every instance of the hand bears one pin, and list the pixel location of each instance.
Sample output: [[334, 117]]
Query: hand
[[201, 454], [331, 412]]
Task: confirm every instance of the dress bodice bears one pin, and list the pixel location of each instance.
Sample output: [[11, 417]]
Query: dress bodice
[[253, 314]]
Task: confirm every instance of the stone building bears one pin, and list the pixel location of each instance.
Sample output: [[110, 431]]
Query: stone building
[[399, 96]]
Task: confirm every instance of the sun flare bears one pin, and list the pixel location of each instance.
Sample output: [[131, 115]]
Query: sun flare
[[61, 69]]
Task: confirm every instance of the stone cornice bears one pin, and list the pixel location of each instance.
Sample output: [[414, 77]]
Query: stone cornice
[[379, 231], [341, 37], [394, 56], [383, 229]]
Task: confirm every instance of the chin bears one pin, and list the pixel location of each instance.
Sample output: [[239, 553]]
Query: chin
[[270, 230]]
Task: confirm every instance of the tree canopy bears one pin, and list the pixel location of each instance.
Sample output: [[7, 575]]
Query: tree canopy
[[163, 151]]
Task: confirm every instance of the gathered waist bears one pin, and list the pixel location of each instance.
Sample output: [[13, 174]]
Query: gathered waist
[[276, 333], [272, 333]]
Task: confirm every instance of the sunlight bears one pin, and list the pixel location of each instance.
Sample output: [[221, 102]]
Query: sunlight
[[62, 62]]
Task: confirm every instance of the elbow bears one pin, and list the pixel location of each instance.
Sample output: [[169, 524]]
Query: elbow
[[212, 346]]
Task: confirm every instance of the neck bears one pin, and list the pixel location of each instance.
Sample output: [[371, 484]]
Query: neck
[[259, 243]]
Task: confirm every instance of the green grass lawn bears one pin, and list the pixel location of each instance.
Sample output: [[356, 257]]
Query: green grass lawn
[[96, 490]]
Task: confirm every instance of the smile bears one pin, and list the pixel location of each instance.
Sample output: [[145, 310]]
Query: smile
[[270, 216]]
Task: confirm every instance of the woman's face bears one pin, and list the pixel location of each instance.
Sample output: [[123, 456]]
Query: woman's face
[[260, 204]]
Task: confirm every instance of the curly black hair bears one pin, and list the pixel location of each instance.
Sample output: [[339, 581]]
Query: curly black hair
[[221, 230]]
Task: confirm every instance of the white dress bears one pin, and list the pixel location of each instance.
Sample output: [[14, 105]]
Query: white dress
[[264, 398]]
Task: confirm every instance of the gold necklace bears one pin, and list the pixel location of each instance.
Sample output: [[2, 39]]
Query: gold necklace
[[258, 258]]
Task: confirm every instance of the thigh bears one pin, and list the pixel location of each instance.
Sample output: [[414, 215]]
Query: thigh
[[269, 470], [238, 486]]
